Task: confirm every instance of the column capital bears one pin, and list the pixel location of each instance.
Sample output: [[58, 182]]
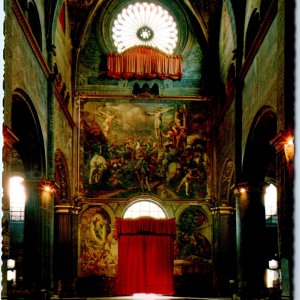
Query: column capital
[[66, 209], [249, 187], [223, 210]]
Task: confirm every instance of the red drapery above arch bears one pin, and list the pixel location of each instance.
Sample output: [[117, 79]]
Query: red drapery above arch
[[145, 263], [144, 63]]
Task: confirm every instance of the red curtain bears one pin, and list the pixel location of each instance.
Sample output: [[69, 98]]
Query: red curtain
[[145, 263], [144, 63]]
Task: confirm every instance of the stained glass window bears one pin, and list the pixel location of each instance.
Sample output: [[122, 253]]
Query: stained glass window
[[145, 24]]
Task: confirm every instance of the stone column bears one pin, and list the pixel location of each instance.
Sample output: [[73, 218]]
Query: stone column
[[285, 195], [66, 236], [32, 236], [250, 225], [224, 246]]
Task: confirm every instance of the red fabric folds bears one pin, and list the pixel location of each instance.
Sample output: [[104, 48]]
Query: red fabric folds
[[145, 225], [144, 63], [145, 263]]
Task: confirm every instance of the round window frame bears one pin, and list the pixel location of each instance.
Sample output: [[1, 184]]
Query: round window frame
[[110, 11]]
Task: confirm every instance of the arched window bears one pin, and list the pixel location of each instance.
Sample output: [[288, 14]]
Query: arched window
[[252, 30], [34, 21], [144, 209], [17, 198], [271, 205], [145, 24]]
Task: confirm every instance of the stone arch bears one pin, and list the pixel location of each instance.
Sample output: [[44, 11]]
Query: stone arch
[[31, 151], [61, 177], [258, 162], [259, 155], [26, 126]]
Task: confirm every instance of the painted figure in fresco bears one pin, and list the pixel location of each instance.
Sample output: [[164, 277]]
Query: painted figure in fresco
[[99, 229], [92, 133], [143, 172], [186, 180], [97, 167], [158, 123], [109, 119], [177, 133]]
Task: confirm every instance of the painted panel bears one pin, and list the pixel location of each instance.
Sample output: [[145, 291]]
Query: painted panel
[[136, 146], [192, 249], [98, 246]]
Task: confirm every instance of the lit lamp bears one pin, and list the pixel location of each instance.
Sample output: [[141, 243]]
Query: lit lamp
[[289, 150], [273, 272], [48, 186], [11, 272], [273, 264]]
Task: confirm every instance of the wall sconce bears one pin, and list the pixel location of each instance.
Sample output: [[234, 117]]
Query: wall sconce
[[273, 264], [238, 191], [11, 272], [289, 149], [273, 274], [11, 264], [48, 186]]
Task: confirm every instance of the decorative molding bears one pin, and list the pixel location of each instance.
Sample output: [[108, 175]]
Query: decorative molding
[[131, 97], [226, 181], [62, 178], [66, 209], [223, 210]]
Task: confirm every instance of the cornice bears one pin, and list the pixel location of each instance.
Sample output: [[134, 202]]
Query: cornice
[[158, 98]]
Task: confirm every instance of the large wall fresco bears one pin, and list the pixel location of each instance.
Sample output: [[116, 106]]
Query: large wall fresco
[[130, 147]]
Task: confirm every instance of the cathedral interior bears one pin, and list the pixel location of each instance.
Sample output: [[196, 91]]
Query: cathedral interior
[[148, 148]]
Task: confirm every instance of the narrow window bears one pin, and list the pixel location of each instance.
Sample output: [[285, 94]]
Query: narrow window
[[271, 205], [17, 198]]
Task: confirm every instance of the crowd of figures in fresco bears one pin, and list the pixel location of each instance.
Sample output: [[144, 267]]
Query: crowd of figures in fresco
[[130, 147]]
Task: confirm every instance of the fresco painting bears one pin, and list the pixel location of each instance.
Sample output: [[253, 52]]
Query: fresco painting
[[137, 146], [192, 249], [98, 252]]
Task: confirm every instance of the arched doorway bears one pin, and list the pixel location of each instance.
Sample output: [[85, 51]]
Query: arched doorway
[[258, 171], [34, 266], [145, 250]]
